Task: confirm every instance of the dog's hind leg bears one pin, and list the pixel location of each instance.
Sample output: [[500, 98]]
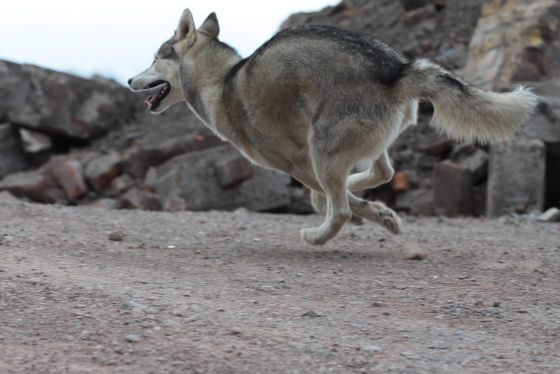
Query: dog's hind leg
[[377, 212], [331, 173], [319, 203], [379, 173]]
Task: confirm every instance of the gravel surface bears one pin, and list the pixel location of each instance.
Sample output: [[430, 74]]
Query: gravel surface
[[85, 290]]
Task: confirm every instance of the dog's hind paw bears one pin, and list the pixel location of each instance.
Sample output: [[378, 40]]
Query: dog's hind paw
[[391, 221], [313, 236]]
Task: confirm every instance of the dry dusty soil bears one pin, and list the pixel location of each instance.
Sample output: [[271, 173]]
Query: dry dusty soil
[[241, 293]]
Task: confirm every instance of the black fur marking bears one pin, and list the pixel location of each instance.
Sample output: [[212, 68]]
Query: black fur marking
[[454, 82], [234, 70], [386, 65]]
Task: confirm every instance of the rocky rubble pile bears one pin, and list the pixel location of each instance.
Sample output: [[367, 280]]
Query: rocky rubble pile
[[70, 140]]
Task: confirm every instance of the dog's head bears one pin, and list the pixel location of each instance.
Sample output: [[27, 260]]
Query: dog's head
[[162, 78]]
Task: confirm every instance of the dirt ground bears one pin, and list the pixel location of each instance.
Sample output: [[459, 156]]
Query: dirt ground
[[241, 293]]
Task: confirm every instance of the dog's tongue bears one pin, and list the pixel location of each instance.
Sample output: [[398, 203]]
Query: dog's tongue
[[150, 101]]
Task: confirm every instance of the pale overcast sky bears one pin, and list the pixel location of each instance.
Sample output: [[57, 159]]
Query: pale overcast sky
[[118, 38]]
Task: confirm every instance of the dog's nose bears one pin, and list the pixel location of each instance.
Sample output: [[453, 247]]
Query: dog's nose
[[130, 81]]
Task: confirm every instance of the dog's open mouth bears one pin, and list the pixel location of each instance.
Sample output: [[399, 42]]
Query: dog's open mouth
[[163, 89]]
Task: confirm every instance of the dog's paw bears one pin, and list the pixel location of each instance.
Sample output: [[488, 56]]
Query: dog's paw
[[391, 221], [312, 236]]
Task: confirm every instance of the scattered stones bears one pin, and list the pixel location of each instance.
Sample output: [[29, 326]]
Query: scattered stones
[[116, 236], [32, 185]]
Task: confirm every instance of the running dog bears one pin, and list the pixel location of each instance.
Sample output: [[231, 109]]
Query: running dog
[[315, 100]]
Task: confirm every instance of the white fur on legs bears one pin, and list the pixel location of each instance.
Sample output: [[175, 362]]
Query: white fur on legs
[[333, 183], [377, 212], [319, 203], [379, 173]]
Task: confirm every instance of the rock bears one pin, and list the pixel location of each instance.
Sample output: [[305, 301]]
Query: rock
[[133, 338], [516, 182], [415, 27], [311, 314], [138, 199], [300, 202], [67, 173], [32, 185], [401, 182], [104, 203], [551, 215], [515, 40], [414, 252], [116, 236], [120, 185], [139, 158], [61, 104], [102, 170], [545, 124], [473, 159], [371, 348], [151, 177], [192, 179], [417, 202], [452, 185], [414, 4], [34, 141], [12, 156], [233, 170], [133, 305]]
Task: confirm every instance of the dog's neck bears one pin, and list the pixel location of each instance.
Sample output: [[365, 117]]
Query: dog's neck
[[202, 79]]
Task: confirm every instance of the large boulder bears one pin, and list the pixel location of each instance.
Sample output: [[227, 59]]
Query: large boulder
[[516, 182], [515, 40], [198, 181], [62, 104]]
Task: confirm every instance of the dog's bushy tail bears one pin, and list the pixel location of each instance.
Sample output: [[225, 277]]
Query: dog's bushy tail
[[465, 112]]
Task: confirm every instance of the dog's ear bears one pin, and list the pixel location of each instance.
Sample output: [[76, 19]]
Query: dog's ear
[[210, 26], [186, 29]]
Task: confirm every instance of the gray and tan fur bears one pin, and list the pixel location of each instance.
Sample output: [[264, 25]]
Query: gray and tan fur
[[315, 100]]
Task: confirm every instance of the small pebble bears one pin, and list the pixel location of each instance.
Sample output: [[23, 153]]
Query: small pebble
[[116, 236], [311, 314], [133, 338], [371, 348], [415, 253]]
